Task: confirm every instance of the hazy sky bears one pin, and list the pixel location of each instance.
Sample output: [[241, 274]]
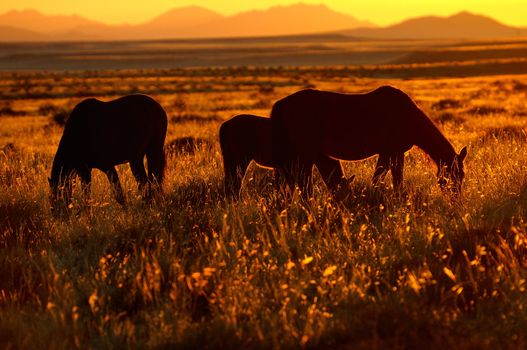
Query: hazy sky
[[381, 12]]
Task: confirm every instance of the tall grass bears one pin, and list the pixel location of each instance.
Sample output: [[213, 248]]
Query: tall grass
[[192, 270]]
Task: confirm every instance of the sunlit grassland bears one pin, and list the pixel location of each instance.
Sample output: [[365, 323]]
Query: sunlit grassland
[[271, 271]]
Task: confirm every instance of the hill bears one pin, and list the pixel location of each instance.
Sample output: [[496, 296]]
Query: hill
[[187, 22], [12, 34], [280, 20], [463, 25], [40, 23], [199, 22]]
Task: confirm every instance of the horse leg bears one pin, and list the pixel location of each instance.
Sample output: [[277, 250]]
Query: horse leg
[[277, 178], [235, 163], [85, 175], [333, 176], [331, 172], [397, 167], [304, 177], [155, 156], [138, 171], [283, 176], [306, 182], [111, 173], [156, 165], [288, 174], [381, 169], [234, 174], [295, 172]]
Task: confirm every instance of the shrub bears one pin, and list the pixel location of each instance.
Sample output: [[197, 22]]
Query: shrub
[[61, 117], [186, 118], [485, 110], [47, 109], [447, 103], [9, 111]]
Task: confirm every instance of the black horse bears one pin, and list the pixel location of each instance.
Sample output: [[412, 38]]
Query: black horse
[[245, 138], [310, 124], [104, 134]]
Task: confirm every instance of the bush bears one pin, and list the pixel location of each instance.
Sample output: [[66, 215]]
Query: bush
[[8, 111], [486, 110], [447, 103], [186, 118], [61, 117], [47, 109]]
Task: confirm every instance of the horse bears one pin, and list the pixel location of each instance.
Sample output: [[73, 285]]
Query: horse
[[245, 138], [102, 135], [310, 124]]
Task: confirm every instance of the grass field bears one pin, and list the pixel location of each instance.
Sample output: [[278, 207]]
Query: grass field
[[193, 270]]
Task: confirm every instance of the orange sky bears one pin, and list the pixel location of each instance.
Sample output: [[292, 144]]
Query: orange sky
[[382, 12]]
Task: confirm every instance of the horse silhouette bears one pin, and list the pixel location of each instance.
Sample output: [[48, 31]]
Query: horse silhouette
[[310, 124], [104, 134], [245, 138]]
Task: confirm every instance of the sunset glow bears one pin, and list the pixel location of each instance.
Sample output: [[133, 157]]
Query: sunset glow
[[381, 12]]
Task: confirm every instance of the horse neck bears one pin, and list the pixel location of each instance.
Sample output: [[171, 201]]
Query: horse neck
[[435, 144]]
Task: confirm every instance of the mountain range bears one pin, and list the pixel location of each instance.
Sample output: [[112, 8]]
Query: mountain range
[[463, 25], [198, 22], [186, 22]]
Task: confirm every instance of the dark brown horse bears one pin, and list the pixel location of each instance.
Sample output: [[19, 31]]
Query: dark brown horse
[[310, 124], [103, 134], [245, 138]]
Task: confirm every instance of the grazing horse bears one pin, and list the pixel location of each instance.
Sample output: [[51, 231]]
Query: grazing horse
[[310, 124], [245, 138], [103, 134]]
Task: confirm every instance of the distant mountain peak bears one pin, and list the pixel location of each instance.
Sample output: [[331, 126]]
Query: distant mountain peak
[[24, 13], [462, 25], [191, 8], [293, 8], [305, 5], [32, 13], [193, 11], [460, 17], [464, 14], [299, 18]]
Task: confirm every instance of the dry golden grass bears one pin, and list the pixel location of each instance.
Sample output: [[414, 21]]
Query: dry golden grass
[[193, 270]]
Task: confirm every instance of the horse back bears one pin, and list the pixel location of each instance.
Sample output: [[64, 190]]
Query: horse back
[[346, 126], [108, 133]]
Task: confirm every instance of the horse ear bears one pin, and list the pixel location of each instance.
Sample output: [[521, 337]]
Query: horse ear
[[462, 154]]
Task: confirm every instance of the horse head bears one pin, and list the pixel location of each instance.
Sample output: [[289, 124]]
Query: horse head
[[451, 175]]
